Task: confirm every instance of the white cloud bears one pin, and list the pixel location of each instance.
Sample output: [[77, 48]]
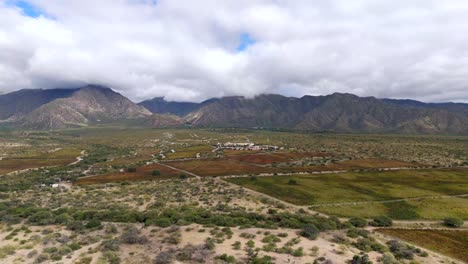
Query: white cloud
[[186, 50]]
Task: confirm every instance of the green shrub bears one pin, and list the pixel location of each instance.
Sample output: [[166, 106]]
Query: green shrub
[[382, 221], [292, 182], [226, 258], [156, 173], [42, 218], [361, 259], [358, 222], [94, 223], [453, 222], [310, 231]]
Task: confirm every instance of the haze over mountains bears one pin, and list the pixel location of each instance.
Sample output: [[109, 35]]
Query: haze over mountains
[[92, 104]]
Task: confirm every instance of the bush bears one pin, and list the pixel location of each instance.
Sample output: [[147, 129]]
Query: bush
[[453, 222], [226, 258], [131, 236], [161, 222], [404, 251], [42, 218], [112, 257], [110, 245], [94, 223], [367, 245], [292, 182], [382, 221], [310, 231], [165, 257], [354, 232], [358, 222], [156, 173], [361, 259]]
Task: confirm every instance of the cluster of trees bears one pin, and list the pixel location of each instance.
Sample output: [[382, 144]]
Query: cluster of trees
[[225, 216]]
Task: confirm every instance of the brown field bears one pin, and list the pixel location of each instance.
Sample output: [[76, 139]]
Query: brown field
[[276, 157], [230, 152], [58, 158], [453, 243], [357, 164], [377, 163], [142, 173], [220, 167]]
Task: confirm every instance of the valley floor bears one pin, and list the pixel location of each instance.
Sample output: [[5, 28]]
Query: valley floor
[[120, 195]]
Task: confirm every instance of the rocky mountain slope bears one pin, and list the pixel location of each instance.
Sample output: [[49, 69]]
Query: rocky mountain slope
[[62, 108], [16, 104], [160, 106], [77, 107], [337, 112]]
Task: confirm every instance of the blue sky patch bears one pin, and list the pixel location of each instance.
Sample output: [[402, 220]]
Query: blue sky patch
[[27, 8], [245, 41]]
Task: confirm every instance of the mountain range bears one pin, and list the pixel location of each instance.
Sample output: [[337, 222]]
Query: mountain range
[[338, 112]]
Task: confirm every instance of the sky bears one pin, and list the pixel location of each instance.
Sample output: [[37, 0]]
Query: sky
[[195, 50]]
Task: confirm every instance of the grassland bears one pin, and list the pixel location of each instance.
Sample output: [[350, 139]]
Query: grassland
[[352, 194], [451, 243]]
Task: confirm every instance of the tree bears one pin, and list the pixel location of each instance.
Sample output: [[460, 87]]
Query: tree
[[453, 222]]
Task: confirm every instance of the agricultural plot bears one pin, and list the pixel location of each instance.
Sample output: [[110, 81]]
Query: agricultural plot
[[276, 157], [355, 164], [220, 167], [404, 194], [452, 243], [141, 173], [59, 157]]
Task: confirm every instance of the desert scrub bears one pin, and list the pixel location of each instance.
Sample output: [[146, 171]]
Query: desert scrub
[[7, 250], [368, 244], [236, 245]]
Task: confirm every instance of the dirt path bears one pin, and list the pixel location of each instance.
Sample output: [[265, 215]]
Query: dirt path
[[79, 158]]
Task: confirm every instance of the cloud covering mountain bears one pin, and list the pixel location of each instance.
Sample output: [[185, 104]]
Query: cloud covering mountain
[[194, 50]]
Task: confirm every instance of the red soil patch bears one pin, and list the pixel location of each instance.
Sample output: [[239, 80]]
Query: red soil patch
[[142, 173], [277, 157], [220, 167]]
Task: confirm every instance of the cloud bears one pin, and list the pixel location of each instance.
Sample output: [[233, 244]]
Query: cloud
[[200, 49]]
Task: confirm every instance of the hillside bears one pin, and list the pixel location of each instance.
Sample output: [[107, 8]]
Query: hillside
[[336, 112], [16, 104], [83, 106], [345, 113], [158, 105]]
